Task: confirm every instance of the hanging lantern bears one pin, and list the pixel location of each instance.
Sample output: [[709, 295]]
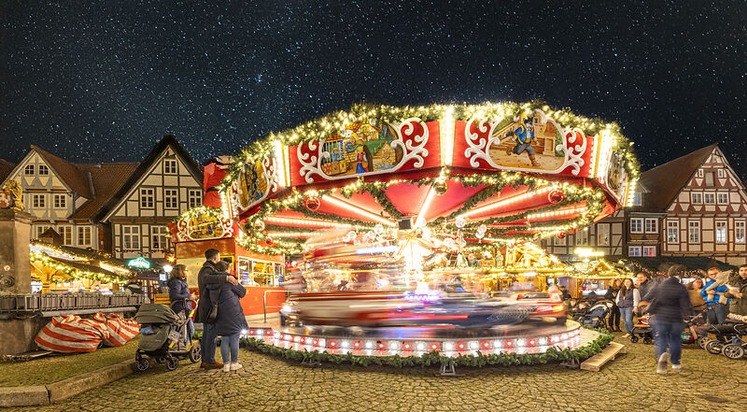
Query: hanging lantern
[[312, 203], [555, 196], [440, 188], [460, 222], [259, 225]]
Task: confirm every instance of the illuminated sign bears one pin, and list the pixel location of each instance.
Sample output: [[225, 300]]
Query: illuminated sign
[[139, 263]]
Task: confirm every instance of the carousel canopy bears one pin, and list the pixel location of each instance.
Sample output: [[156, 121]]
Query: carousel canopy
[[472, 174]]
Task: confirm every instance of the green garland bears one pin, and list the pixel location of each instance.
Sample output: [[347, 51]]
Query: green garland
[[552, 355]]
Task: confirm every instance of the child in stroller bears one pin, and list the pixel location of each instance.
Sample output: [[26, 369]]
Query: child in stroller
[[596, 315], [642, 330], [164, 337]]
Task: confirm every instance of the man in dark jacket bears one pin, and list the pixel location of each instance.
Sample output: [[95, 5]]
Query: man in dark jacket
[[209, 276], [670, 305], [738, 293]]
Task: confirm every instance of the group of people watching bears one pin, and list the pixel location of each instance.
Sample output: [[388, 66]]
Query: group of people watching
[[672, 302]]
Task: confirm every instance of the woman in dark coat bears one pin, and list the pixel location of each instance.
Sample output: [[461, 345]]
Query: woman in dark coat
[[230, 321], [179, 295]]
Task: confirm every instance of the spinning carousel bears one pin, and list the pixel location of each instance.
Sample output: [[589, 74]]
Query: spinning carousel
[[385, 190]]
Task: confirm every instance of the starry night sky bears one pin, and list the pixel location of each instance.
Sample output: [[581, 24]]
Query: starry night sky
[[102, 81]]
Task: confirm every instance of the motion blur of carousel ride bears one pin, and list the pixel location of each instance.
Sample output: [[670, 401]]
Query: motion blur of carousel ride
[[412, 228]]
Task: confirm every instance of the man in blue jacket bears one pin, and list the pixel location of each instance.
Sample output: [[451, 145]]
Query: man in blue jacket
[[717, 304]]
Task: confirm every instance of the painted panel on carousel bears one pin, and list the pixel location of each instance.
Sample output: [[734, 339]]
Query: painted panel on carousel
[[617, 177], [366, 148], [530, 142], [256, 181], [201, 223]]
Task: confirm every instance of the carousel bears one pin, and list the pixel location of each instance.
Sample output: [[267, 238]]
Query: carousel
[[410, 228]]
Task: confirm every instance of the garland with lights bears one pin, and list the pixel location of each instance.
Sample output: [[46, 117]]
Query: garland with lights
[[98, 274], [552, 355], [323, 127]]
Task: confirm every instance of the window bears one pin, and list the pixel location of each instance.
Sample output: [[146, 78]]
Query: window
[[693, 232], [721, 232], [195, 197], [696, 197], [636, 225], [159, 238], [147, 198], [709, 198], [603, 235], [67, 234], [38, 201], [709, 179], [130, 237], [634, 251], [723, 198], [582, 237], [739, 231], [40, 230], [673, 231], [84, 236], [60, 201], [169, 167], [29, 170], [721, 173], [649, 251], [171, 198], [652, 226], [637, 199], [700, 172], [43, 170]]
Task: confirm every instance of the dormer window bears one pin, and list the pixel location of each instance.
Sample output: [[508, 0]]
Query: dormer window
[[30, 170]]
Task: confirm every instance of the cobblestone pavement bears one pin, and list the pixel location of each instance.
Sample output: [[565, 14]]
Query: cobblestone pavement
[[630, 383]]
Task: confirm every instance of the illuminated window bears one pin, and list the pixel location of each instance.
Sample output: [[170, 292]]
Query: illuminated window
[[721, 232], [634, 251], [693, 231], [649, 251], [582, 237], [739, 231], [673, 231]]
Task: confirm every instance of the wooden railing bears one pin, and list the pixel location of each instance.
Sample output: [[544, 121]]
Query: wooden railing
[[54, 304]]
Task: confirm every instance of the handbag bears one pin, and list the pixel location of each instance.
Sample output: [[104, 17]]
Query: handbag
[[213, 315]]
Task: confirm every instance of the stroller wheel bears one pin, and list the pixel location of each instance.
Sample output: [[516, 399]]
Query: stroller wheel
[[634, 338], [715, 347], [172, 364], [733, 351], [647, 340], [142, 364], [702, 341], [195, 355]]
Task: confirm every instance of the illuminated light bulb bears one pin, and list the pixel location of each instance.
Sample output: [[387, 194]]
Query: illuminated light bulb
[[344, 344], [473, 345], [520, 342], [420, 346], [497, 343], [448, 346], [369, 345], [394, 345]]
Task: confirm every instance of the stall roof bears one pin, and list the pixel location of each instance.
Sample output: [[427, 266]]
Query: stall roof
[[663, 263]]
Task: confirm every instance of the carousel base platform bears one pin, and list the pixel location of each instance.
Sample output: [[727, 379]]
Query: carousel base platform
[[416, 341]]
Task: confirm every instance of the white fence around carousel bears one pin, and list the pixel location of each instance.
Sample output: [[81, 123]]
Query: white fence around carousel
[[54, 304]]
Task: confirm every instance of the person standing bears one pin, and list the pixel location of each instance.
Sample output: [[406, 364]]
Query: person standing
[[693, 289], [738, 295], [670, 305], [628, 298], [209, 276], [611, 295], [179, 296], [716, 302], [230, 321]]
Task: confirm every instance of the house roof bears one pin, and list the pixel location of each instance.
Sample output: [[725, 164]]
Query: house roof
[[5, 168], [107, 179], [142, 169], [69, 173], [664, 182]]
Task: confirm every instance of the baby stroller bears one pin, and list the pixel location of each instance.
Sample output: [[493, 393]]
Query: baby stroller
[[729, 334], [642, 330], [694, 331], [596, 316], [164, 337]]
